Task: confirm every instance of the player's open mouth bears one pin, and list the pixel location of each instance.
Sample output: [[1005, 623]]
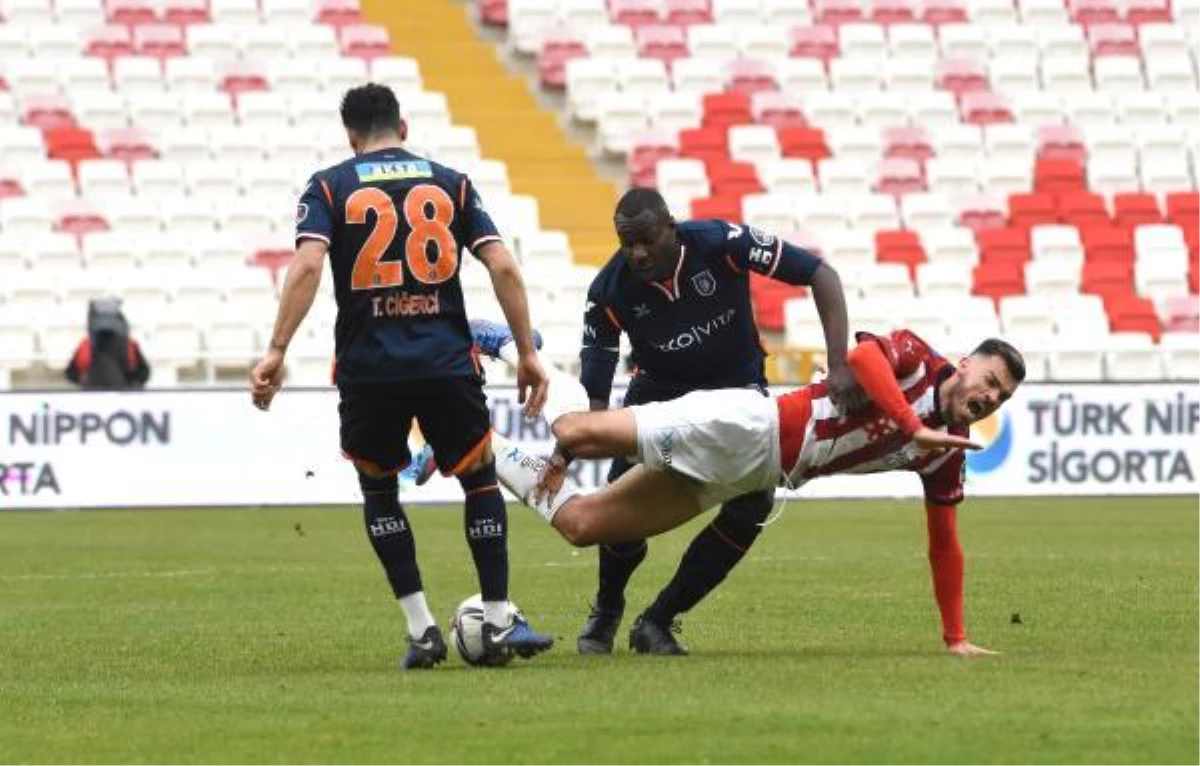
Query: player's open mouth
[[975, 408]]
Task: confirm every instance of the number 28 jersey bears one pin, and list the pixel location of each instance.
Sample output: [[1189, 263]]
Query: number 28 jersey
[[395, 224]]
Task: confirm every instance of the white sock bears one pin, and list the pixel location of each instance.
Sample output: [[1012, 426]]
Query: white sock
[[495, 613], [416, 612], [565, 394], [519, 471]]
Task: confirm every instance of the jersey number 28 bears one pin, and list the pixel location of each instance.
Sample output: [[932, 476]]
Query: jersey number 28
[[428, 211]]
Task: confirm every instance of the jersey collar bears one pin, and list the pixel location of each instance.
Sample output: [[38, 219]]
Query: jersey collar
[[670, 287]]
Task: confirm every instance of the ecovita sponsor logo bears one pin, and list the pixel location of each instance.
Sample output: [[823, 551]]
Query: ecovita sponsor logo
[[995, 433]]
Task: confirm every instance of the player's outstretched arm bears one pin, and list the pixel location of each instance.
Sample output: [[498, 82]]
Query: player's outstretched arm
[[510, 292], [299, 291], [947, 566]]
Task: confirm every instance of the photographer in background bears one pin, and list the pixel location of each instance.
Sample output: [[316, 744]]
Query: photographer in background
[[107, 359]]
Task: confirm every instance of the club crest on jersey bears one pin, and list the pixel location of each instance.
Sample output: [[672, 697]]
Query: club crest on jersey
[[761, 237], [704, 283], [301, 212]]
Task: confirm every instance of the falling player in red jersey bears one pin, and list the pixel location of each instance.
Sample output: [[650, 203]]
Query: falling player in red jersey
[[703, 448]]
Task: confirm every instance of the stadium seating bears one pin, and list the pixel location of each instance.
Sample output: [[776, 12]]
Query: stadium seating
[[1032, 150], [155, 150]]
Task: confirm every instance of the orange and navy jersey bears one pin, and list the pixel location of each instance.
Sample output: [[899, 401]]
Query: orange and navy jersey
[[831, 442], [696, 329], [396, 224]]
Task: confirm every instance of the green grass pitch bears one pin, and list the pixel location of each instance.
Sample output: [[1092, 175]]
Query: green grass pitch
[[219, 636]]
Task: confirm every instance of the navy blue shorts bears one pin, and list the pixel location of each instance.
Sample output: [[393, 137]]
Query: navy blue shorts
[[452, 413]]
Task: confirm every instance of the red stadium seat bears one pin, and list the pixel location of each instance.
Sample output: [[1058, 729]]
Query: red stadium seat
[[633, 13], [1034, 209], [733, 179], [837, 11], [159, 40], [887, 12], [768, 297], [1088, 12], [71, 144], [1134, 208], [728, 208], [749, 77], [1107, 244], [365, 40], [1061, 142], [243, 76], [185, 12], [900, 247], [899, 176], [804, 143], [1183, 209], [1083, 209], [779, 110], [79, 217], [938, 12], [665, 42], [1180, 314], [1148, 11], [130, 12], [704, 143], [109, 42], [1059, 176], [1112, 40], [999, 279], [556, 51], [342, 13], [126, 144], [1107, 277], [493, 13], [961, 76], [816, 42], [981, 212], [645, 152], [47, 112], [979, 107], [688, 12], [10, 184], [724, 109], [1008, 245], [1132, 313], [909, 142]]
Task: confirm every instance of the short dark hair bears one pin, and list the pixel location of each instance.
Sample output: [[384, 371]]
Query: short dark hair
[[1005, 350], [371, 109], [639, 200]]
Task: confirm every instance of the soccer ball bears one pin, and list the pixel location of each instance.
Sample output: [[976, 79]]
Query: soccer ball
[[466, 629]]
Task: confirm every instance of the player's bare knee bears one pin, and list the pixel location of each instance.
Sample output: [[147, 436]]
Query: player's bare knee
[[372, 471], [482, 460], [575, 528], [572, 431]]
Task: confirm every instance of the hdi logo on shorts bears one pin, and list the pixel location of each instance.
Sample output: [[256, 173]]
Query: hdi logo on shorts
[[387, 525], [666, 442]]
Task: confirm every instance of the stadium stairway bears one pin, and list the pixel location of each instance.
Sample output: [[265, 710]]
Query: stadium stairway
[[507, 118]]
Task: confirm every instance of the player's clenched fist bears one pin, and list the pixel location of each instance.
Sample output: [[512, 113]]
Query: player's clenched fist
[[266, 379]]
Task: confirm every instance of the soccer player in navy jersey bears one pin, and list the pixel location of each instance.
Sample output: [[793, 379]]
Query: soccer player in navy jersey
[[708, 446], [392, 225], [680, 291]]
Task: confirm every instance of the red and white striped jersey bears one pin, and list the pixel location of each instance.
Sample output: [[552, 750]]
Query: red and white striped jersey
[[818, 440]]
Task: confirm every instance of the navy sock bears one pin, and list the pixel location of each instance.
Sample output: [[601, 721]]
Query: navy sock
[[390, 533], [617, 564], [712, 555], [486, 520]]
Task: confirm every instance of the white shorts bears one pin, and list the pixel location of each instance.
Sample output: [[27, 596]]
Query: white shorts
[[726, 440]]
